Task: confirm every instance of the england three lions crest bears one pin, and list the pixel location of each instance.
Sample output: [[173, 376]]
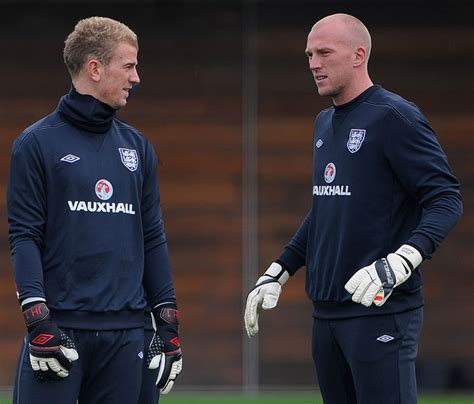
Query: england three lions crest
[[356, 138], [129, 158]]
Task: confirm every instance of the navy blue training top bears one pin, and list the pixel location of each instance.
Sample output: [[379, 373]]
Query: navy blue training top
[[85, 224], [380, 180]]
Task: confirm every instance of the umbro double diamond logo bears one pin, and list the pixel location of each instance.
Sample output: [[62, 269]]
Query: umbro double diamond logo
[[70, 158], [385, 338]]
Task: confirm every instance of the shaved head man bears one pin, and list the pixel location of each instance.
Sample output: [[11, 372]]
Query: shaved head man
[[338, 50], [383, 199]]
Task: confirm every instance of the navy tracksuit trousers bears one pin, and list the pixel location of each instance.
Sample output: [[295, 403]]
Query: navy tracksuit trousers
[[368, 360], [108, 371]]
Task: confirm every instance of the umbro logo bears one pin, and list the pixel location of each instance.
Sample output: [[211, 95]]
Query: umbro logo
[[140, 354], [70, 158], [42, 339], [385, 338]]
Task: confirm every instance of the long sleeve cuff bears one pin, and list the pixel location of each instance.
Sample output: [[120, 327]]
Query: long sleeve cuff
[[290, 260]]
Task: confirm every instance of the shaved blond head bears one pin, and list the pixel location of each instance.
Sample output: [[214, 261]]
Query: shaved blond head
[[338, 50], [348, 29]]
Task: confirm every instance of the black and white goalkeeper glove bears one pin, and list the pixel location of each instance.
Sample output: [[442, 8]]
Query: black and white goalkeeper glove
[[375, 283], [264, 296], [52, 352], [164, 352]]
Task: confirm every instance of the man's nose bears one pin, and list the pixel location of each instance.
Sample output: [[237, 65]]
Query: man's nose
[[135, 78], [314, 63]]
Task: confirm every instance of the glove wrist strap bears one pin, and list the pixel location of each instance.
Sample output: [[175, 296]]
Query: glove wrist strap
[[35, 314], [277, 272], [166, 314], [411, 255]]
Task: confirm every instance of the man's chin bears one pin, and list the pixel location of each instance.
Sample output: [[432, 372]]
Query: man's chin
[[323, 92], [119, 105], [326, 92]]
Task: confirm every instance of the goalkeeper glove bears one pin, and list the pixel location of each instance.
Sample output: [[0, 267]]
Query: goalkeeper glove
[[164, 352], [375, 283], [264, 296], [51, 350]]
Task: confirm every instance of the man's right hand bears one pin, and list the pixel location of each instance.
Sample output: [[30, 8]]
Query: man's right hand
[[52, 352], [264, 296]]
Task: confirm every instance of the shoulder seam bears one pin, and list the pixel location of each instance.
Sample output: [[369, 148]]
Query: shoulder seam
[[27, 134], [122, 124], [378, 104]]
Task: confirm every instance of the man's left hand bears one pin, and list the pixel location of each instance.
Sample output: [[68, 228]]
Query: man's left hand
[[375, 283], [164, 352]]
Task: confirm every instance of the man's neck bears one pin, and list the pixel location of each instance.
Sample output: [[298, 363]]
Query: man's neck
[[356, 88]]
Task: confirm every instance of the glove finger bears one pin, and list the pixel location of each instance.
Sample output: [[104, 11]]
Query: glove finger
[[252, 326], [56, 367], [251, 315], [61, 360], [353, 283], [252, 329], [369, 295], [63, 373], [156, 360], [34, 363], [69, 353], [270, 301], [43, 366], [168, 387], [166, 369], [176, 368], [175, 371], [361, 290], [381, 297]]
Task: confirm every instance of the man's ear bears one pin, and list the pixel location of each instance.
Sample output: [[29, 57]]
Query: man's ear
[[360, 56], [94, 69]]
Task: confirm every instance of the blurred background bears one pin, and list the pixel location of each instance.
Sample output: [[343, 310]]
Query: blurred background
[[228, 102]]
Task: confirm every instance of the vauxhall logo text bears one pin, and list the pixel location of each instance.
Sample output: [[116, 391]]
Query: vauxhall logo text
[[101, 207], [104, 190], [331, 190]]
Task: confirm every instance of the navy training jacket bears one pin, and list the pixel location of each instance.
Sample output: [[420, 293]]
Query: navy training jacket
[[380, 180], [85, 224]]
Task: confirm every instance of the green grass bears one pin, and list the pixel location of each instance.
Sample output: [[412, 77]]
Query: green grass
[[239, 398], [447, 399], [276, 398], [287, 398]]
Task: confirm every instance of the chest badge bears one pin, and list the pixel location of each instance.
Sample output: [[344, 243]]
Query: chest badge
[[356, 138], [129, 158]]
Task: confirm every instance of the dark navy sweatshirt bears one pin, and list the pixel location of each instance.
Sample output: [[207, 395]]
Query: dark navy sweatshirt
[[85, 224], [380, 180]]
